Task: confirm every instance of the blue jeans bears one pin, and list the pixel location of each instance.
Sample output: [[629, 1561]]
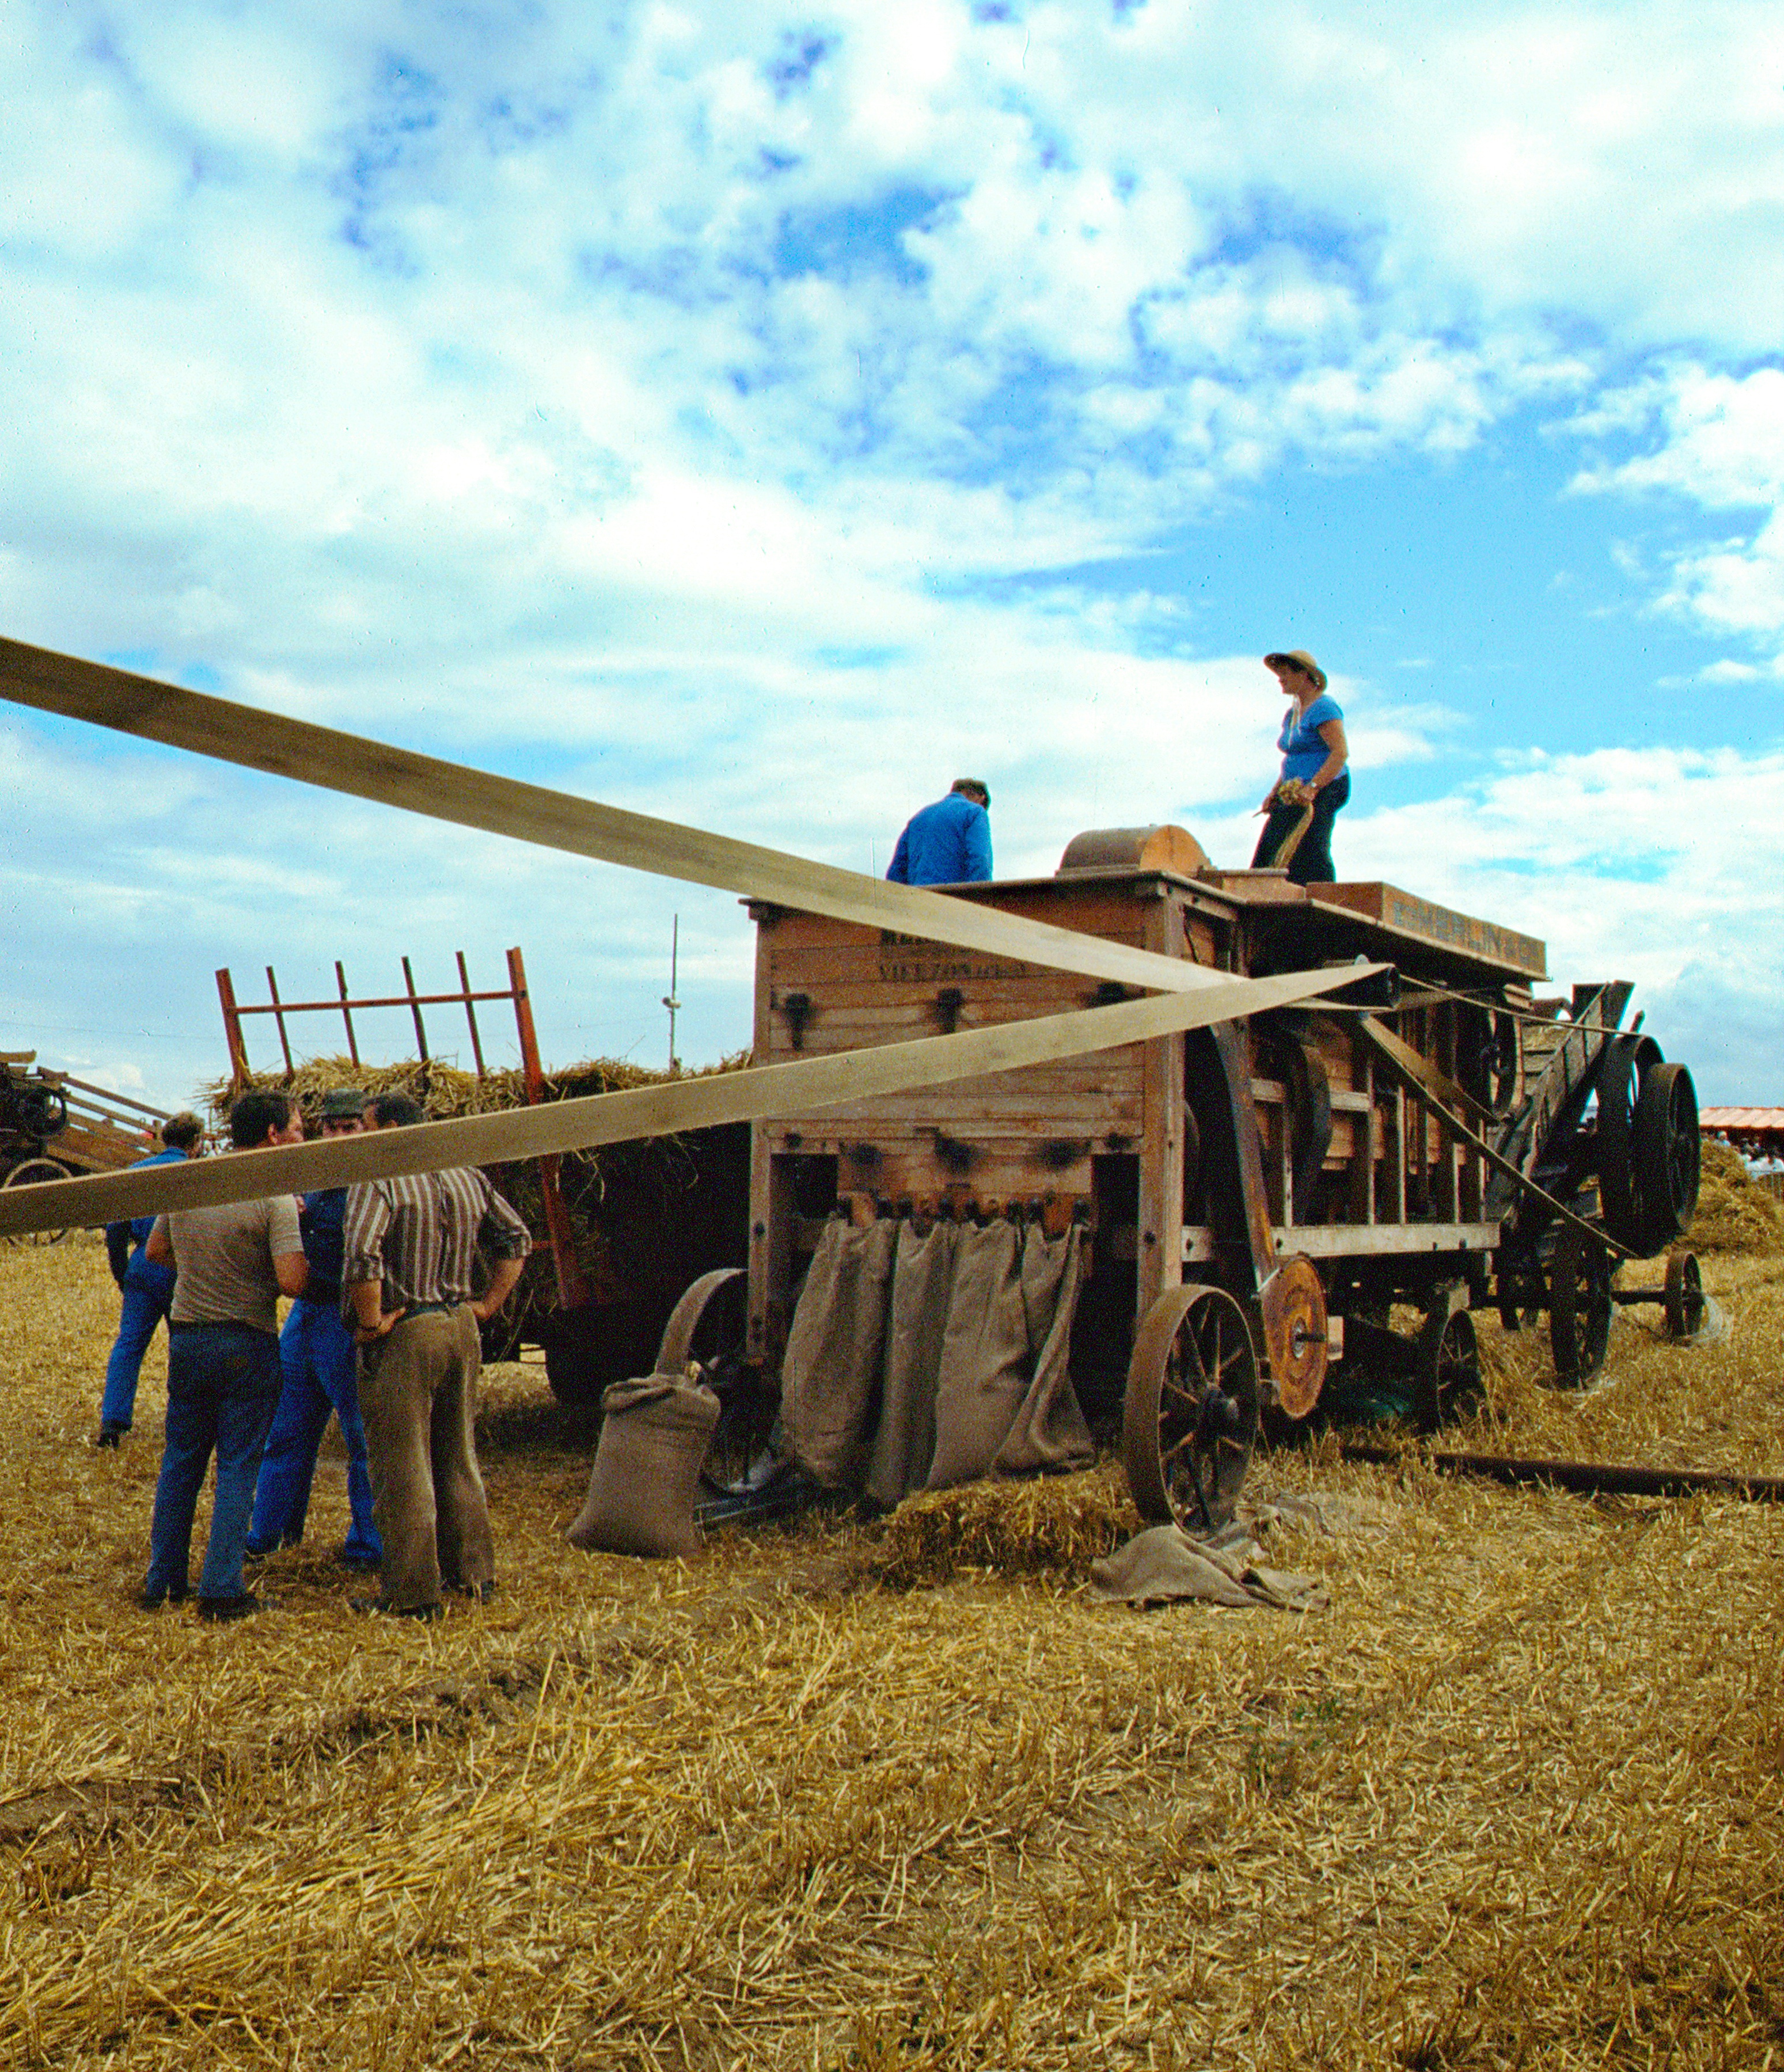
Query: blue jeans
[[317, 1361], [1311, 861], [148, 1290], [222, 1383]]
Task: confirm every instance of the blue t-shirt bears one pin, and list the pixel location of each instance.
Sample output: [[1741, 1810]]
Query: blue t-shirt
[[1302, 751]]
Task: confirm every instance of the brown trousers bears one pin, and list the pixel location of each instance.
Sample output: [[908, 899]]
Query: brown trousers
[[417, 1394]]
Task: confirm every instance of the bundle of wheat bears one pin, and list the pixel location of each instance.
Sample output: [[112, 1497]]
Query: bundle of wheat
[[1733, 1214]]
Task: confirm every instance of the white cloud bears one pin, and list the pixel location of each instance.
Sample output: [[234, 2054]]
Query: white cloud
[[1716, 440], [661, 396]]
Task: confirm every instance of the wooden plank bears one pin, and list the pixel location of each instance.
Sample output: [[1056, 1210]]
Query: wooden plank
[[1359, 1240], [672, 1105], [334, 761], [1405, 914]]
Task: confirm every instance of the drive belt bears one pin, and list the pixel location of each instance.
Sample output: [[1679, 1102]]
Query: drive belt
[[794, 1088]]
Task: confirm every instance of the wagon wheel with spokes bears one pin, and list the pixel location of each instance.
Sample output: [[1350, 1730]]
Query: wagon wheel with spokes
[[1448, 1384], [1190, 1417], [1622, 1068], [1684, 1296], [27, 1173], [1580, 1307]]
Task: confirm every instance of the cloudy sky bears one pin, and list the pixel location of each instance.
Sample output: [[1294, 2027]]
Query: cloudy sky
[[759, 416]]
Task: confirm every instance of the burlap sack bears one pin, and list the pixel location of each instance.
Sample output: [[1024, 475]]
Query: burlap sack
[[983, 1375], [1048, 1434], [904, 1444], [830, 1380], [654, 1436]]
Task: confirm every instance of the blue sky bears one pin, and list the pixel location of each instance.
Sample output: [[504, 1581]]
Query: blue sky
[[759, 417]]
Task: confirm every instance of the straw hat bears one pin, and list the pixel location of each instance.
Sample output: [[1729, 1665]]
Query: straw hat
[[1300, 659]]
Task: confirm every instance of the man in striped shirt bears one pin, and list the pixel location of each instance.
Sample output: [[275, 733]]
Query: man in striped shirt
[[406, 1286]]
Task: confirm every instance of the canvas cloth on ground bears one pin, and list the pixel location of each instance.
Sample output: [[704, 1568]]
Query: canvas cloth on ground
[[654, 1436], [1163, 1563]]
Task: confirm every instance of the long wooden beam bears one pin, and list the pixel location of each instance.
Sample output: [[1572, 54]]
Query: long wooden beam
[[152, 710], [792, 1088]]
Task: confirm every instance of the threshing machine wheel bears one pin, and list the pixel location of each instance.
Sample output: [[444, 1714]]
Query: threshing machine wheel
[[1580, 1307], [708, 1328], [1684, 1296], [1667, 1151], [26, 1174], [1449, 1384], [1191, 1414], [1622, 1067]]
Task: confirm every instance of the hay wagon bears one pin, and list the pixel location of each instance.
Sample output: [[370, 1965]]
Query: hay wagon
[[54, 1127], [1250, 1205]]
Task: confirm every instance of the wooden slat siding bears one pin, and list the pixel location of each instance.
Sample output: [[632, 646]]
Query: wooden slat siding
[[1448, 1198], [1001, 1174], [1161, 1256], [763, 1292], [827, 1032], [1070, 1115], [1572, 1058]]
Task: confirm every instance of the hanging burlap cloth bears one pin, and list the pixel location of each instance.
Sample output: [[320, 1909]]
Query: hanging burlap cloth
[[1049, 1435], [1004, 1401], [904, 1445], [923, 1361], [654, 1436], [830, 1380]]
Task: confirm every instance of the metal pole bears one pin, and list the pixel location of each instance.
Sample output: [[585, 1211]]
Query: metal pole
[[278, 1022], [414, 1009], [346, 1010], [471, 1014], [669, 1000], [1588, 1478]]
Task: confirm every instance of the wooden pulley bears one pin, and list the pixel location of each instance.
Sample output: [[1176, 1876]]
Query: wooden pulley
[[1169, 848], [1291, 1303]]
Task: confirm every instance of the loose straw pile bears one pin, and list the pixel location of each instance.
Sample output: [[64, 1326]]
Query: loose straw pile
[[1513, 1799]]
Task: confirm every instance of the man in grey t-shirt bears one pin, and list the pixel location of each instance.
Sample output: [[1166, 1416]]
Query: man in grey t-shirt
[[231, 1264]]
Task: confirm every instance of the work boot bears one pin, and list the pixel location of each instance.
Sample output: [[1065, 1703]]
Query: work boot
[[382, 1607], [111, 1435], [245, 1606]]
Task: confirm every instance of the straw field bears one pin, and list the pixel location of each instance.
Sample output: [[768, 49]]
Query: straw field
[[899, 1795]]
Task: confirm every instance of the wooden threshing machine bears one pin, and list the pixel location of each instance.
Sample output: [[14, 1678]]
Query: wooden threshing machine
[[1254, 1201]]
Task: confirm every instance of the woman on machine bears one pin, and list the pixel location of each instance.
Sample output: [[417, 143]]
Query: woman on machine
[[1314, 775]]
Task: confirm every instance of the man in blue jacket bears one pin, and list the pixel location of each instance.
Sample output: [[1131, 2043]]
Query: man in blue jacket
[[949, 843], [317, 1378], [147, 1289]]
